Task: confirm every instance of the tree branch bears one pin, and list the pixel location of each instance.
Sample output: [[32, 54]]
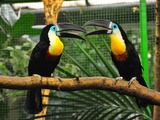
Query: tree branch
[[71, 84]]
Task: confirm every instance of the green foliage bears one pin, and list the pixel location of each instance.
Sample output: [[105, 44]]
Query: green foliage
[[86, 59], [13, 27], [94, 104], [3, 105], [3, 69], [15, 49], [13, 46], [18, 58], [91, 104]]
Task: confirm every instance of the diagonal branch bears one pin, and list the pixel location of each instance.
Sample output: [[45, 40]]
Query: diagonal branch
[[71, 84]]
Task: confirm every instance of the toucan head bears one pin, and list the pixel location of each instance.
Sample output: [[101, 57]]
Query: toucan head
[[108, 26], [62, 30], [117, 35], [52, 34]]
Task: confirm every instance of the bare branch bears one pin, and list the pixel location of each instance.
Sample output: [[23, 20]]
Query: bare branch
[[71, 84]]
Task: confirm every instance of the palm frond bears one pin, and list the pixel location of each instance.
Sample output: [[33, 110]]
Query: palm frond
[[93, 104], [106, 63], [99, 69]]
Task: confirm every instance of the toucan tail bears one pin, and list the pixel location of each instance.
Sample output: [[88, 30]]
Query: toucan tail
[[33, 103], [141, 103], [45, 101]]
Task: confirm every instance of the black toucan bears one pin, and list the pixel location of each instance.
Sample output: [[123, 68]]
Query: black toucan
[[123, 52], [45, 57]]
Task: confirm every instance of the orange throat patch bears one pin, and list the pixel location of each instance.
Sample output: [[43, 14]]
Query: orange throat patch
[[121, 57], [49, 56]]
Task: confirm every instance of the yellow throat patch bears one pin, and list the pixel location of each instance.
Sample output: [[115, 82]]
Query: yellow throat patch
[[56, 46], [118, 46]]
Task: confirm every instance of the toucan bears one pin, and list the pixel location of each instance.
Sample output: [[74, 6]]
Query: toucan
[[123, 52], [46, 56]]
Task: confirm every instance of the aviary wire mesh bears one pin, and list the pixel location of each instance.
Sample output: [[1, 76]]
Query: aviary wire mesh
[[14, 58]]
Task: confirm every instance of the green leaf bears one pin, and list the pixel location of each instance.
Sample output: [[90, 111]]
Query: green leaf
[[5, 27], [98, 113], [130, 102], [23, 25], [104, 95], [106, 113], [78, 64], [4, 112], [99, 69], [3, 69], [65, 106], [34, 31], [134, 116], [95, 96], [2, 38], [84, 113], [115, 115], [9, 14], [106, 63], [119, 99], [64, 71], [126, 115], [60, 114], [105, 43], [85, 98], [71, 99]]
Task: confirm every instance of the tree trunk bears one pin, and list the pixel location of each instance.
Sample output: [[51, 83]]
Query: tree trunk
[[52, 8], [157, 59]]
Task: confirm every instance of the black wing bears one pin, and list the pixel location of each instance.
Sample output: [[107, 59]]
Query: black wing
[[37, 58], [131, 66], [39, 64]]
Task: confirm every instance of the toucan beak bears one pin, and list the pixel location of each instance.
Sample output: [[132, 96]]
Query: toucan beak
[[106, 24], [69, 30]]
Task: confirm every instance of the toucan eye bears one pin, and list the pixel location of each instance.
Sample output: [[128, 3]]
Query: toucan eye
[[53, 28], [114, 26]]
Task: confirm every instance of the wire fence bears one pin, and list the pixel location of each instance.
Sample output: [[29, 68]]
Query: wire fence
[[14, 57]]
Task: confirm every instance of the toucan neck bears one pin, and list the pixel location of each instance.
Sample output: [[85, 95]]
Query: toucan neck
[[118, 45], [56, 46]]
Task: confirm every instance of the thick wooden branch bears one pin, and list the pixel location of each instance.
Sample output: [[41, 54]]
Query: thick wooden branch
[[71, 84]]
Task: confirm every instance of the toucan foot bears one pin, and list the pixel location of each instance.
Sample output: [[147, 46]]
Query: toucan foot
[[40, 77], [52, 75], [59, 79], [117, 78], [130, 82], [77, 77]]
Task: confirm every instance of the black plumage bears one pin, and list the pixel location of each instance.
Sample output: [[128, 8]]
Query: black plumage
[[40, 64], [123, 52], [129, 65], [45, 57]]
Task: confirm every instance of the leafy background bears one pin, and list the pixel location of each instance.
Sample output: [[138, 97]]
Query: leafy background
[[91, 58]]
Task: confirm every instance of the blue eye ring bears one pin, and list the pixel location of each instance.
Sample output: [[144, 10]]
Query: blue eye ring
[[53, 28], [115, 26]]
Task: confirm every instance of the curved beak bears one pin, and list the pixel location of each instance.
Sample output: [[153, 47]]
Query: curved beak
[[106, 24], [69, 30]]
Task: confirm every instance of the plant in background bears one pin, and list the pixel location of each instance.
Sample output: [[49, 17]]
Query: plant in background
[[12, 42], [18, 58], [91, 104], [86, 59], [15, 49]]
